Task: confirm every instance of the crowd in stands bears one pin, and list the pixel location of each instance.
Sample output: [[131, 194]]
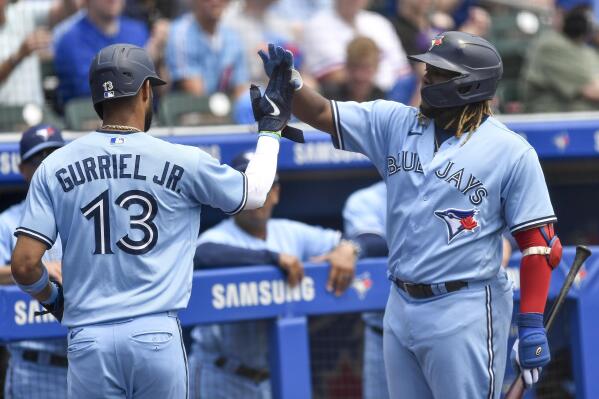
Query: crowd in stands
[[350, 49]]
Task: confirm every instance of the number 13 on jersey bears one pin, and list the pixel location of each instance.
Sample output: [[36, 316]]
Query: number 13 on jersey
[[98, 209]]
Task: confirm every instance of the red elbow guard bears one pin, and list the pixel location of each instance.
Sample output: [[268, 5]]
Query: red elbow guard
[[540, 241], [541, 252]]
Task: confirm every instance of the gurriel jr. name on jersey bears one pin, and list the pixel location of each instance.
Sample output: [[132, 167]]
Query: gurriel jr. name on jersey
[[115, 166]]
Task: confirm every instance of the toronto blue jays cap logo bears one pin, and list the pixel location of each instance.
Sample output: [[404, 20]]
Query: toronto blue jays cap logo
[[458, 221], [437, 41]]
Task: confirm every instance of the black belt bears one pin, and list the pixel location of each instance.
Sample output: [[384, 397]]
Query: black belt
[[256, 375], [422, 291], [55, 360]]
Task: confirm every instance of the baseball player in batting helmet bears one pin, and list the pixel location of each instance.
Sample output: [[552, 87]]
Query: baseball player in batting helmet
[[456, 178], [127, 208]]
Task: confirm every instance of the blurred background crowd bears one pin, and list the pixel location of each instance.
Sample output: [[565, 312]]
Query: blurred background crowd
[[349, 49]]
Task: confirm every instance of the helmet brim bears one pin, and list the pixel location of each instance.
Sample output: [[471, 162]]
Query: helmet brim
[[437, 61], [156, 81]]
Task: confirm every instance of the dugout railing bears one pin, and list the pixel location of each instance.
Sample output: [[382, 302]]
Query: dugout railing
[[248, 293]]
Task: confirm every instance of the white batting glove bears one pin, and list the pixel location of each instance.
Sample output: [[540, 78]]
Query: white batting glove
[[530, 376]]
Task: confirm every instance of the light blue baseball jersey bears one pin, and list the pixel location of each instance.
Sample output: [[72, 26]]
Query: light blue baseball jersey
[[446, 210], [9, 221], [247, 342], [365, 211], [127, 208]]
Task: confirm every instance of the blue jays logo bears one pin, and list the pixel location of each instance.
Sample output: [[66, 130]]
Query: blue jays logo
[[362, 284], [458, 221]]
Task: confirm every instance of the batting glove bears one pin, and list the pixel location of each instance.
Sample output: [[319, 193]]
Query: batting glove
[[56, 306], [531, 349], [277, 55], [272, 110]]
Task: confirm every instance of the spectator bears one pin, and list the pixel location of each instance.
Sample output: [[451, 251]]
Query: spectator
[[257, 26], [23, 32], [231, 360], [362, 61], [413, 26], [328, 33], [36, 369], [561, 72], [101, 26], [203, 56]]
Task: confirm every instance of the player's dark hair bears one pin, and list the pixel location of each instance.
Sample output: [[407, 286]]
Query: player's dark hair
[[469, 119]]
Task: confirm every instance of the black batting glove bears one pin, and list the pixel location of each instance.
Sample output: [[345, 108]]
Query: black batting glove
[[56, 307], [272, 110]]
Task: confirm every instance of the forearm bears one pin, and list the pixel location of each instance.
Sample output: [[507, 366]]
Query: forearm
[[6, 275], [9, 65], [261, 171], [28, 274], [312, 108]]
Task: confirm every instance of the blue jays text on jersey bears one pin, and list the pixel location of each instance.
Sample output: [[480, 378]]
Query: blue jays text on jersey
[[127, 208], [446, 209]]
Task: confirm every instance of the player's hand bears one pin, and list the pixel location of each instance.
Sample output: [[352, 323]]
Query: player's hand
[[531, 350], [276, 56], [273, 109], [289, 132], [343, 267], [293, 268], [57, 307], [54, 270]]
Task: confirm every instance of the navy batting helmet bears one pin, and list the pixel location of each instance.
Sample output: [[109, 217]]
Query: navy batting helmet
[[476, 61], [119, 71]]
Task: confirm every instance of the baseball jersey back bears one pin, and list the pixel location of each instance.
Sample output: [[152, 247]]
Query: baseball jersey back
[[446, 209], [127, 208]]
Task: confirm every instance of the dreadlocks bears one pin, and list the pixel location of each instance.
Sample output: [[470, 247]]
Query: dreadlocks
[[469, 119]]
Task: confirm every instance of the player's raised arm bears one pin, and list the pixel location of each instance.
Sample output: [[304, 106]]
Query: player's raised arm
[[308, 105]]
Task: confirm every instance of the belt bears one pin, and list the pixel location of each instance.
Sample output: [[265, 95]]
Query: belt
[[422, 291], [54, 360], [256, 375]]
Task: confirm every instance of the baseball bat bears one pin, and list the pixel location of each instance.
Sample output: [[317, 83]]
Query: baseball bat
[[518, 387]]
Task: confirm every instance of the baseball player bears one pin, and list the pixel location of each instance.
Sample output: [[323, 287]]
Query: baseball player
[[231, 360], [37, 369], [456, 177], [365, 221], [127, 208]]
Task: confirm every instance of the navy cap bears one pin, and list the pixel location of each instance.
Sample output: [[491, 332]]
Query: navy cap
[[37, 138], [242, 160], [568, 5]]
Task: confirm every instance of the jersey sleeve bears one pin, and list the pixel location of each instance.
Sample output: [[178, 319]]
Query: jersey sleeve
[[525, 196], [38, 220], [365, 128], [360, 218], [219, 186], [317, 240], [5, 243]]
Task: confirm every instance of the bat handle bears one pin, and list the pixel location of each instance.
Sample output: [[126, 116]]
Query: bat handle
[[517, 389]]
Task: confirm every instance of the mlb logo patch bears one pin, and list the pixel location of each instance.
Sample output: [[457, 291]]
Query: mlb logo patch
[[108, 94], [117, 140], [458, 221]]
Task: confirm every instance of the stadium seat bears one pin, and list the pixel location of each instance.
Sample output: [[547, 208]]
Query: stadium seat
[[80, 115], [16, 118], [183, 109]]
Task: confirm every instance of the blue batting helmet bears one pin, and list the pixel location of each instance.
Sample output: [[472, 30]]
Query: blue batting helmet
[[119, 71], [476, 61]]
